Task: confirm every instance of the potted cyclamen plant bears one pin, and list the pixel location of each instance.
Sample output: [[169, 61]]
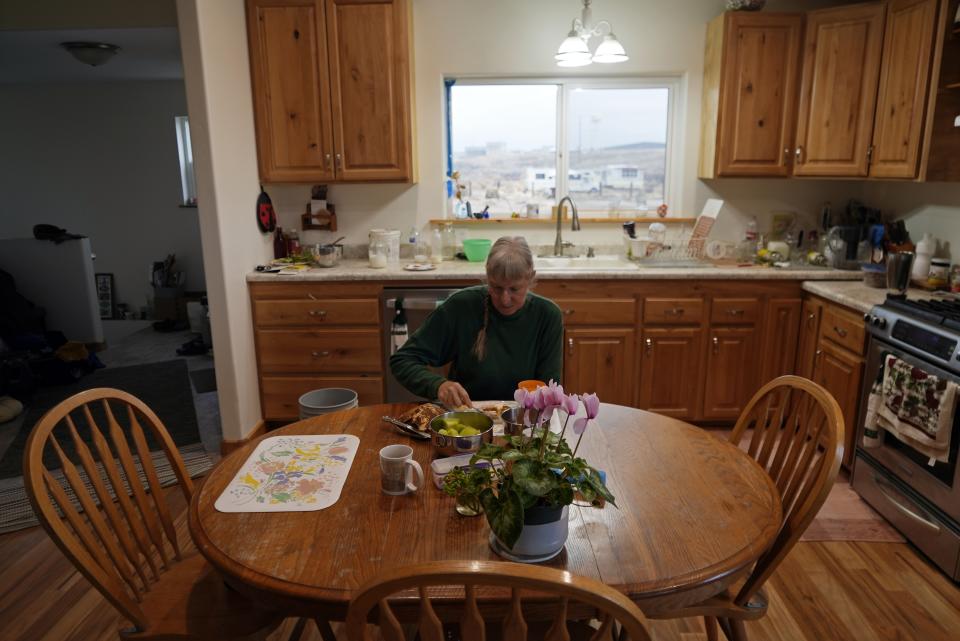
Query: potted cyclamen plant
[[527, 495]]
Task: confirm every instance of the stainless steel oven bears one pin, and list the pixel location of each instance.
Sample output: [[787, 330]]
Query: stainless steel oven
[[919, 499]]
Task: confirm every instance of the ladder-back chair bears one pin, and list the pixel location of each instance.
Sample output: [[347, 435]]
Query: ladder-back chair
[[796, 435], [124, 539], [563, 592]]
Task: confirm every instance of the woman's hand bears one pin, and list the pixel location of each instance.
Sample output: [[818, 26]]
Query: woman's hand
[[453, 395]]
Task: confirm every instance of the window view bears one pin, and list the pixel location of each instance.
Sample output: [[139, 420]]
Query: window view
[[617, 141], [188, 183], [504, 141], [504, 144]]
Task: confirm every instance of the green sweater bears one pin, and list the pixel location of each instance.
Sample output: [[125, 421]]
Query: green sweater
[[526, 345]]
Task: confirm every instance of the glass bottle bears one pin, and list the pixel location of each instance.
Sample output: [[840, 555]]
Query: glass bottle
[[436, 245], [449, 242]]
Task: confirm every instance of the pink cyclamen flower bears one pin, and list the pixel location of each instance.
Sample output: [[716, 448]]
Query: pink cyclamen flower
[[570, 404], [591, 405], [519, 396], [539, 399], [553, 395]]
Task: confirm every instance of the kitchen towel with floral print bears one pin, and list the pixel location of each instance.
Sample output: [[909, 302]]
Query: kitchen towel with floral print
[[914, 406]]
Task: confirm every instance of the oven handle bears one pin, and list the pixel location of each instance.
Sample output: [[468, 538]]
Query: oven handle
[[883, 486]]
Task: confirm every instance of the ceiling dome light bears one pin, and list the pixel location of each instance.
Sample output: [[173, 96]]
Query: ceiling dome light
[[574, 51], [610, 50], [91, 53]]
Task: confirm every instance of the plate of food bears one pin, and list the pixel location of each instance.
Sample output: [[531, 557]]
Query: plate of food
[[419, 267], [420, 416]]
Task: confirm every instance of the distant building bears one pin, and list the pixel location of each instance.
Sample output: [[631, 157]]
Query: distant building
[[475, 151], [586, 181], [622, 177], [543, 179], [496, 147]]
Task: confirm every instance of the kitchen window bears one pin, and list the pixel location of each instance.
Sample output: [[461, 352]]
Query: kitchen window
[[521, 145]]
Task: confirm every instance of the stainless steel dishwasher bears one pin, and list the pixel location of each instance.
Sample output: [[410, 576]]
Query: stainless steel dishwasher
[[417, 304]]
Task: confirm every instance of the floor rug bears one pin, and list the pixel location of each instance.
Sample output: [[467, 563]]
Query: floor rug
[[163, 386], [204, 380]]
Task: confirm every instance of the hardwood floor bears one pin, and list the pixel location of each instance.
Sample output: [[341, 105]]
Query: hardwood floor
[[822, 592]]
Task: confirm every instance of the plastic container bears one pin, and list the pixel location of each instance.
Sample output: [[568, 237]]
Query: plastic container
[[477, 249], [874, 275], [921, 264], [326, 400], [378, 254], [391, 239]]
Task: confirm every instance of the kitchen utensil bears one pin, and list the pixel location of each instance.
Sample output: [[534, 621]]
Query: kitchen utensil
[[397, 469], [898, 271], [531, 385], [327, 255], [476, 249], [408, 430], [326, 400], [513, 422], [450, 445]]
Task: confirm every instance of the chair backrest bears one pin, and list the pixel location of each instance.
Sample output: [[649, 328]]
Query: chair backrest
[[797, 437], [122, 547], [561, 588]]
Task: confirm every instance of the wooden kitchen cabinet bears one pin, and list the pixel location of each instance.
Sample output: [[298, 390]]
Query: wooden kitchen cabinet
[[838, 90], [731, 371], [750, 94], [670, 374], [600, 361], [808, 343], [780, 336], [332, 89], [840, 372]]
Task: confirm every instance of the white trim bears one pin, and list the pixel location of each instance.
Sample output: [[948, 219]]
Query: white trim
[[676, 86]]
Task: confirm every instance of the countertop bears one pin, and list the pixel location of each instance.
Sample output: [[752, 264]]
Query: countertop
[[856, 295], [359, 270]]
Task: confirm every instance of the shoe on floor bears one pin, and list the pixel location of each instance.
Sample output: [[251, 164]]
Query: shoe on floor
[[10, 408]]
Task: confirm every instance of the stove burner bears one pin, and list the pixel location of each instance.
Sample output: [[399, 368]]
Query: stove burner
[[944, 312]]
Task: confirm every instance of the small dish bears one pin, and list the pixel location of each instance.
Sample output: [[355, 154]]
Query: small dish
[[419, 267]]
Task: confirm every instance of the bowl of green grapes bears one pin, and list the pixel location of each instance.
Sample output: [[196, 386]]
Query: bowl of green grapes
[[460, 432]]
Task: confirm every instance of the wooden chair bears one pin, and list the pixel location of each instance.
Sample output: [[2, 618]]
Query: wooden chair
[[797, 437], [129, 549], [563, 592]]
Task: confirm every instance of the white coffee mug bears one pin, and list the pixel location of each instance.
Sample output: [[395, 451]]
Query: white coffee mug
[[397, 469]]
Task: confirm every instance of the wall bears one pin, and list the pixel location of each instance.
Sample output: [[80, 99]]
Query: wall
[[101, 160], [925, 207], [214, 47], [505, 37]]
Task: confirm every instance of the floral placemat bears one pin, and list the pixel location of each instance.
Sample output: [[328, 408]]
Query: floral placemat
[[291, 474]]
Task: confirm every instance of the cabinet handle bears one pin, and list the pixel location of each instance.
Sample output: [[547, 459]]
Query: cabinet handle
[[716, 345], [649, 344], [322, 313], [673, 311], [339, 162], [329, 160], [798, 154], [735, 312], [567, 312], [322, 354], [311, 297], [841, 332], [570, 346], [786, 153], [818, 352]]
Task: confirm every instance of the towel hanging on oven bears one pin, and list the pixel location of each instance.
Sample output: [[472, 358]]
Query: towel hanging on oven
[[914, 406]]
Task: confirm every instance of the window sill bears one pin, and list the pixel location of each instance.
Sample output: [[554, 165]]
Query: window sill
[[669, 220]]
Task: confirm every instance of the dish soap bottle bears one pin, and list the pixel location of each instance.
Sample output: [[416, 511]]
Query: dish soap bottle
[[921, 265]]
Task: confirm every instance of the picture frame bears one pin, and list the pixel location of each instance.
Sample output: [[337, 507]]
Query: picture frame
[[105, 300]]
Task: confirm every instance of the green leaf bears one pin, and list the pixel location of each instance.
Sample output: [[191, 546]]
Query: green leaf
[[512, 455], [593, 482], [504, 514], [488, 452], [533, 477]]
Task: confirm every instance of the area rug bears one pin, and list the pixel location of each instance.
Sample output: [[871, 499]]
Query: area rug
[[204, 380], [163, 386]]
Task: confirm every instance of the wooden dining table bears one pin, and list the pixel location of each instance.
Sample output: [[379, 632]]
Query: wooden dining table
[[692, 514]]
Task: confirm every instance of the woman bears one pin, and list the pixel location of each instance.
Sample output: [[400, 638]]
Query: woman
[[493, 335]]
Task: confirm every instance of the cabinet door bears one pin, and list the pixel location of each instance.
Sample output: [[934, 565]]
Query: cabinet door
[[904, 83], [838, 90], [288, 67], [841, 373], [670, 371], [781, 327], [731, 371], [600, 361], [370, 84], [809, 335], [758, 94]]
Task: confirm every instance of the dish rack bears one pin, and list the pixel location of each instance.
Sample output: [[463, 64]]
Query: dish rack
[[675, 253]]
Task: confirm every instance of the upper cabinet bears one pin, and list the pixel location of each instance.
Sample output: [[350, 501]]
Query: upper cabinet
[[332, 89], [750, 81], [877, 94], [838, 90]]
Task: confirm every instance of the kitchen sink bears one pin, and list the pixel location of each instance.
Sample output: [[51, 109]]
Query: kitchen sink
[[580, 263]]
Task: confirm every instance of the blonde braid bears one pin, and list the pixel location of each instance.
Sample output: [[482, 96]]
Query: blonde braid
[[480, 344]]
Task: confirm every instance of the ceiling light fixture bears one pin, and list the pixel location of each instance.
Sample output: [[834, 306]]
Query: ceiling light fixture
[[91, 53], [574, 51]]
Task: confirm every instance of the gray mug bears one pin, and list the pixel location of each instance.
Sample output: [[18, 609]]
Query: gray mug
[[898, 271]]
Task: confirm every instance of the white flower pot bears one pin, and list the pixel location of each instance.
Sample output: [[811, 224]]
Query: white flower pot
[[540, 540]]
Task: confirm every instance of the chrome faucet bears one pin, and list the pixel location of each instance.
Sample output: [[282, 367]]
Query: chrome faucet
[[558, 244]]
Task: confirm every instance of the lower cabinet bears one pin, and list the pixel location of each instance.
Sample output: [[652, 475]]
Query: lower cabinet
[[840, 372], [670, 370], [600, 361], [731, 372], [808, 344]]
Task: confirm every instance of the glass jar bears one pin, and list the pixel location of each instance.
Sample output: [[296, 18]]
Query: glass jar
[[449, 241], [378, 254], [939, 273]]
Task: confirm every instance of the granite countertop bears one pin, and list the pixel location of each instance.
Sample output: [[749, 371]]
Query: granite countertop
[[856, 295], [359, 270]]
